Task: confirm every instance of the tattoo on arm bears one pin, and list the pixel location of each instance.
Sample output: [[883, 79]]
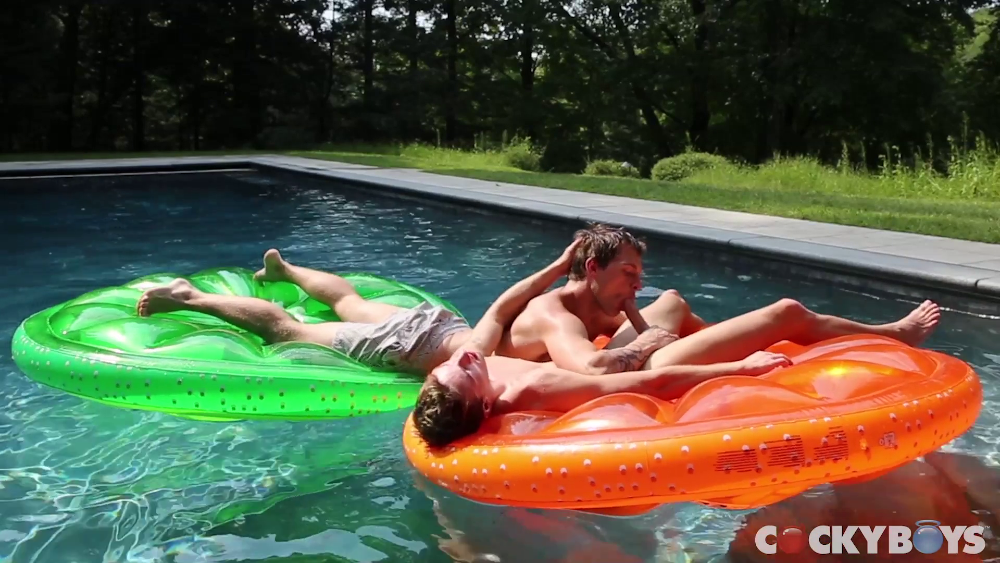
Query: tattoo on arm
[[627, 358]]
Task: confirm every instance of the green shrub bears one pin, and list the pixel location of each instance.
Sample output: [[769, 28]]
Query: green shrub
[[520, 154], [675, 168], [611, 168]]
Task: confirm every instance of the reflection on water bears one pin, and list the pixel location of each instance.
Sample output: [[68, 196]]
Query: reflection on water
[[953, 489], [81, 482]]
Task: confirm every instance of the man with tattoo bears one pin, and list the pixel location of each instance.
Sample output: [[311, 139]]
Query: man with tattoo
[[472, 385], [599, 300]]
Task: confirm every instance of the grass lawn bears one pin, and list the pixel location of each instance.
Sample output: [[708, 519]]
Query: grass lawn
[[963, 206]]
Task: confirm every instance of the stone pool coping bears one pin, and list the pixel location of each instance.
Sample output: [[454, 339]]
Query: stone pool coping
[[958, 273]]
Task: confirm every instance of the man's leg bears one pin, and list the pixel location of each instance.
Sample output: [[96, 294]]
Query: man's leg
[[670, 311], [259, 316], [737, 338], [330, 289]]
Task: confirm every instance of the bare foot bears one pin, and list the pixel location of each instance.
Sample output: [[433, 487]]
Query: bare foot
[[171, 297], [274, 267], [914, 328]]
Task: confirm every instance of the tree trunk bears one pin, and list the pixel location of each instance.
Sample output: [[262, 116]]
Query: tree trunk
[[646, 106], [778, 107], [528, 66], [101, 104], [369, 54], [326, 39], [69, 49], [652, 121], [700, 114], [410, 117], [246, 91], [411, 26], [323, 104], [768, 103], [451, 98], [195, 115], [790, 138], [139, 13], [5, 112]]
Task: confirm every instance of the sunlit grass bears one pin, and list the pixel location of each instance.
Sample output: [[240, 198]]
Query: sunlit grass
[[410, 156]]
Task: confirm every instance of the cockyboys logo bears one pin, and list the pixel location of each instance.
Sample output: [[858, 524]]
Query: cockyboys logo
[[930, 536]]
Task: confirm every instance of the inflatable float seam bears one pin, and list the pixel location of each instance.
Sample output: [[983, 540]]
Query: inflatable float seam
[[126, 396], [133, 362]]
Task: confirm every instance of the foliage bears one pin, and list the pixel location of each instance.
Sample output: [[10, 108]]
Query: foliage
[[678, 167], [520, 154], [611, 168], [586, 81]]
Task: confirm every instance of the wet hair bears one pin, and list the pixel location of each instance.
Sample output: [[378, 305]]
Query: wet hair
[[602, 243], [443, 415]]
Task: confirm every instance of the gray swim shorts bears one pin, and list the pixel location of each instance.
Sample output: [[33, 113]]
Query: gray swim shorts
[[405, 342]]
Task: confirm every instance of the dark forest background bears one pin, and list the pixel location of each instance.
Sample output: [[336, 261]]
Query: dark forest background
[[584, 79]]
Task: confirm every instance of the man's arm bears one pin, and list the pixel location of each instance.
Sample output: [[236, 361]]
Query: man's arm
[[570, 348], [560, 390], [487, 332]]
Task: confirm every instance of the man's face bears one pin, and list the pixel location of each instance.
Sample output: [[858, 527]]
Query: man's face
[[619, 282], [466, 373]]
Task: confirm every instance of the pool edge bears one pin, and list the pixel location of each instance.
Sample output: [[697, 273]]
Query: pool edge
[[36, 169], [976, 290], [971, 289]]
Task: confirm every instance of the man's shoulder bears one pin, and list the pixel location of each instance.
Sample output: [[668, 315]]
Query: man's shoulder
[[538, 309], [547, 304]]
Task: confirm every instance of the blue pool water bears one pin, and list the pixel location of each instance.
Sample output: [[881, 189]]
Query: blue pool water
[[82, 482]]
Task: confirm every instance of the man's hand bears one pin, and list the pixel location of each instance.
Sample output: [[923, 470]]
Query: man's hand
[[653, 335], [566, 259], [658, 337], [760, 363]]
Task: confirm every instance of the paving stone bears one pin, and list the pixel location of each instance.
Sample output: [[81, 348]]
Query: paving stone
[[988, 265], [860, 241], [667, 229], [915, 249], [881, 265]]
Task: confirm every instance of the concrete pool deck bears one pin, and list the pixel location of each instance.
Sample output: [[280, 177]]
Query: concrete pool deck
[[894, 262]]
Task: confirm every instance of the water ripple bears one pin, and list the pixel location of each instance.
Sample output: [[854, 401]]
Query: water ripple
[[83, 482]]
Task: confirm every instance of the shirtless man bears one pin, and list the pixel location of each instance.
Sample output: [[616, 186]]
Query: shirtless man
[[599, 300], [461, 393]]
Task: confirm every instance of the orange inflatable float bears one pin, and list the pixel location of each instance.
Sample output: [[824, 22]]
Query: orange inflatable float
[[848, 409]]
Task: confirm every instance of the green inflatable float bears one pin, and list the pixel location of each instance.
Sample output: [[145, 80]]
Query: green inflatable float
[[196, 366]]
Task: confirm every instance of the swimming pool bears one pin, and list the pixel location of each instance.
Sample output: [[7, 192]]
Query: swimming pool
[[83, 482]]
